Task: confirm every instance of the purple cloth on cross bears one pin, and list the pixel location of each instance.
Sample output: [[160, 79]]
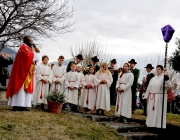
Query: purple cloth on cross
[[167, 32]]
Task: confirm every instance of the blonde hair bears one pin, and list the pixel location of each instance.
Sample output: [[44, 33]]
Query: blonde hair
[[79, 65], [101, 69]]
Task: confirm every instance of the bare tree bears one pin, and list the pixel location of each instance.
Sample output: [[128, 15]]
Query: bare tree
[[90, 49], [38, 18]]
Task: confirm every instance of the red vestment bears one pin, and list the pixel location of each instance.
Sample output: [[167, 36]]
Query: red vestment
[[20, 70]]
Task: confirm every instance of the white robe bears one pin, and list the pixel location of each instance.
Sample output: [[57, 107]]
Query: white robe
[[87, 98], [102, 100], [43, 72], [154, 102], [72, 79], [81, 78], [22, 98], [35, 74], [123, 101], [59, 73]]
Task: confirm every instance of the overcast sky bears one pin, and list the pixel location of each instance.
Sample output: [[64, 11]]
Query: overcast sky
[[129, 28]]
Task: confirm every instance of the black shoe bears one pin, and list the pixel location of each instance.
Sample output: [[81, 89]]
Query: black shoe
[[17, 108], [14, 108], [97, 112], [102, 112], [76, 110], [25, 109], [42, 107], [38, 106]]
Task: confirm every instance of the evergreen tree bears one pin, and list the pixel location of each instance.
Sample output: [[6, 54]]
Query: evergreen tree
[[174, 60]]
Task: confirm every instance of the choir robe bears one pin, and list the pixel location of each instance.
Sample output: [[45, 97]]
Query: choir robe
[[154, 96], [35, 74], [123, 101], [102, 100], [43, 73], [72, 79], [87, 98], [22, 98], [59, 73], [81, 78]]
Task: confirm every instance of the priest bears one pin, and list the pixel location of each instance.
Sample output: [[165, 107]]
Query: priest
[[20, 86]]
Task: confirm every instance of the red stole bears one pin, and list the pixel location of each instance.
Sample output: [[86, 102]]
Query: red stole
[[20, 70]]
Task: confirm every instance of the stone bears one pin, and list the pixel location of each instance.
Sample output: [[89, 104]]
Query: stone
[[96, 118], [140, 136], [129, 127]]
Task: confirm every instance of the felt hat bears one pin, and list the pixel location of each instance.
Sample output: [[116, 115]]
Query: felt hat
[[113, 61], [149, 66], [80, 56], [95, 59], [132, 61]]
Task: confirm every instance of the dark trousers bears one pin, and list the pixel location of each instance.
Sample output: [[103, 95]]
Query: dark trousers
[[175, 106], [168, 107], [174, 110], [74, 108], [133, 99], [3, 81], [145, 106], [112, 95]]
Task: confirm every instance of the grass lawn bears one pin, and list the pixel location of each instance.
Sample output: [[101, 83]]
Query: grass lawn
[[39, 125]]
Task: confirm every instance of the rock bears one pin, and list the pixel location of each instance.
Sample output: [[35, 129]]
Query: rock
[[96, 118], [140, 136], [129, 127]]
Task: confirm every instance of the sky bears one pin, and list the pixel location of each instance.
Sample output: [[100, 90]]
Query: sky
[[128, 28]]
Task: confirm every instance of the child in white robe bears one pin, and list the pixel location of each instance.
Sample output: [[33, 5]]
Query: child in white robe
[[124, 94], [44, 77], [103, 81], [36, 59], [81, 78], [59, 74], [87, 98], [71, 88]]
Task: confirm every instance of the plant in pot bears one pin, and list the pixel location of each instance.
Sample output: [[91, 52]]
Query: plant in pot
[[55, 101]]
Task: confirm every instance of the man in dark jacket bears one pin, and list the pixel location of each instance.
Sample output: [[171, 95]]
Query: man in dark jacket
[[145, 84], [114, 73], [136, 73], [95, 60], [5, 60], [78, 60]]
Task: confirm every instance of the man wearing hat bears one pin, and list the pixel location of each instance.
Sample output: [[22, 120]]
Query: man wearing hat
[[95, 60], [145, 84], [136, 73], [78, 60], [114, 73]]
